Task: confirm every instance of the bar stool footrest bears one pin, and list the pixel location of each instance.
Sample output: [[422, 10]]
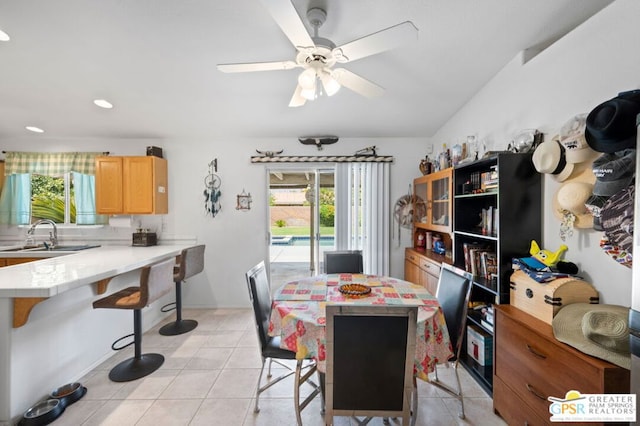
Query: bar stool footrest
[[178, 327], [135, 368], [119, 348], [171, 306]]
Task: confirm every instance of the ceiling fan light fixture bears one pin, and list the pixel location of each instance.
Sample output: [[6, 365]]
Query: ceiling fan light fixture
[[330, 84], [309, 94], [307, 79]]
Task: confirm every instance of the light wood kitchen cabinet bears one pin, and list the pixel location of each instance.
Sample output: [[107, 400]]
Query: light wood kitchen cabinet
[[421, 269], [8, 261], [131, 185], [531, 365], [435, 190]]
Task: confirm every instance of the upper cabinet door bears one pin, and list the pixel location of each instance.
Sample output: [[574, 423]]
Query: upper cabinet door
[[145, 185], [435, 191], [131, 185], [138, 185], [109, 185]]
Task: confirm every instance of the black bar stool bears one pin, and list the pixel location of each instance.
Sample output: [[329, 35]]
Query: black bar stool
[[155, 282], [190, 262]]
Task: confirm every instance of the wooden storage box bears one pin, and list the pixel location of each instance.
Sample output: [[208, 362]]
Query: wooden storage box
[[544, 300]]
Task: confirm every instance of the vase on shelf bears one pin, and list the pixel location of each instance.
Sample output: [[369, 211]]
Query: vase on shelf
[[425, 166]]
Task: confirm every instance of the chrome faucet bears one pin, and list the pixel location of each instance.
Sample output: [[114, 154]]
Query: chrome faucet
[[53, 236]]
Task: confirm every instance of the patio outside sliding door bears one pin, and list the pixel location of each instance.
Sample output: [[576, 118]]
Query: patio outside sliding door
[[301, 220]]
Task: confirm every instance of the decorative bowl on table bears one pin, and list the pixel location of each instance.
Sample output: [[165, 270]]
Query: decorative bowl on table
[[354, 290]]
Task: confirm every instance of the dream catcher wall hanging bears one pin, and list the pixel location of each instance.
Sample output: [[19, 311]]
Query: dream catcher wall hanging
[[212, 183], [406, 208]]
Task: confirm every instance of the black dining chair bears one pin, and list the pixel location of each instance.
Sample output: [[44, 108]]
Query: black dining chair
[[190, 263], [454, 288], [260, 295], [155, 281], [343, 261], [370, 351]]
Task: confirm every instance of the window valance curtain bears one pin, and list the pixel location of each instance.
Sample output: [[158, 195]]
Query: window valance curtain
[[50, 163]]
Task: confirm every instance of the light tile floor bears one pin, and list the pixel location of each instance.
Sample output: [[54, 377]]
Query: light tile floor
[[209, 378]]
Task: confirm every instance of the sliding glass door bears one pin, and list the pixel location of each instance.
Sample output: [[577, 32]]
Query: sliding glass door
[[301, 220]]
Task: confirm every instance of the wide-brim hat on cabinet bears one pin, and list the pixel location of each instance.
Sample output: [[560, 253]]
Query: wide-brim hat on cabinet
[[549, 157], [573, 140], [601, 331], [570, 199], [611, 126]]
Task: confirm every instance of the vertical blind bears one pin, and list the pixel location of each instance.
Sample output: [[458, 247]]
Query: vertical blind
[[363, 213]]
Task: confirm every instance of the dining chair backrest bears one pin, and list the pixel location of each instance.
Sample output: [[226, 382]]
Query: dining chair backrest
[[191, 262], [370, 351], [343, 261], [260, 295], [454, 287]]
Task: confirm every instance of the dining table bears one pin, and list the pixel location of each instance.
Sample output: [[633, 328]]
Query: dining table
[[298, 315]]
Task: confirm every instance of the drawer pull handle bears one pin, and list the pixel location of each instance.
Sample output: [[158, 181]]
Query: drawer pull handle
[[536, 353], [535, 392]]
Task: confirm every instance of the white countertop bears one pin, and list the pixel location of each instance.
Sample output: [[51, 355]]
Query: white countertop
[[68, 270]]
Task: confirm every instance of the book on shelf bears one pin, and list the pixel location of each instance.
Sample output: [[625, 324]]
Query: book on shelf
[[489, 264], [474, 260], [487, 221], [466, 249], [486, 325]]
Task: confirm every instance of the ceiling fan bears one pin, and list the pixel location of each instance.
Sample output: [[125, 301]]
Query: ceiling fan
[[317, 55]]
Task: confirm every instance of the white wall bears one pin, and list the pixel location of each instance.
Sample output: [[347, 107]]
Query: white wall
[[588, 66], [235, 240]]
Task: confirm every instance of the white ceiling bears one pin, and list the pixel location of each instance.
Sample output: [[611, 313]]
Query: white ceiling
[[155, 60]]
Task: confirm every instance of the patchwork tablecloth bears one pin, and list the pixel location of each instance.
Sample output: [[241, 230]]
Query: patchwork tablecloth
[[298, 315]]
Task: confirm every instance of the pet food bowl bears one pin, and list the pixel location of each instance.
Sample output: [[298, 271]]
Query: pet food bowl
[[43, 413], [69, 393]]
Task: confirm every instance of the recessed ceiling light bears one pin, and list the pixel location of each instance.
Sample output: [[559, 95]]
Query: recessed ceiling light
[[34, 129], [4, 36], [103, 103]]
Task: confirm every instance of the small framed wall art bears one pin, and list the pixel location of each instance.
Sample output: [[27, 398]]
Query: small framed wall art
[[244, 201]]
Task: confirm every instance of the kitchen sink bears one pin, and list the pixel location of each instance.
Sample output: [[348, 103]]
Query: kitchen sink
[[21, 248], [64, 248], [56, 248]]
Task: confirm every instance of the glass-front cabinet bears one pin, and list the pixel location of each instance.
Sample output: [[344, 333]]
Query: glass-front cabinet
[[433, 195]]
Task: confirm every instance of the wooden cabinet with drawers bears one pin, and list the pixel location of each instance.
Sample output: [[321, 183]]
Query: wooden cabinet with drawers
[[531, 365], [131, 185], [422, 268]]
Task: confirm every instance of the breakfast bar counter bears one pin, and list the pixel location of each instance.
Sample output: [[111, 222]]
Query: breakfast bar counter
[[59, 337], [58, 272]]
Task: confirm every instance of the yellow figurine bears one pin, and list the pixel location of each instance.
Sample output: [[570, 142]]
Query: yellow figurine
[[545, 256]]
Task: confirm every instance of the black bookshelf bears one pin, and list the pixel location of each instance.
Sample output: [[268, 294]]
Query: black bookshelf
[[515, 204]]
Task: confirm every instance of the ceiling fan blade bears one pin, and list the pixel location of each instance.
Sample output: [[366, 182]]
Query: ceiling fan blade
[[356, 83], [290, 23], [258, 66], [297, 99], [377, 42]]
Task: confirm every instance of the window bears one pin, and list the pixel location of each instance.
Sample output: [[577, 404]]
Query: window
[[56, 186], [52, 198]]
